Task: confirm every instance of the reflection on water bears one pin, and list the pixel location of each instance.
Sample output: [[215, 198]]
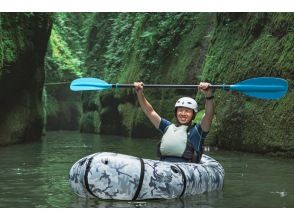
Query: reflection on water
[[201, 201], [36, 175]]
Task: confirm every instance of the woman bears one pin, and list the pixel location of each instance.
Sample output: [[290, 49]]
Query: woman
[[181, 142]]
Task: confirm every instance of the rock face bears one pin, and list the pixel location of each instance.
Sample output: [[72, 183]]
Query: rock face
[[160, 48], [64, 63], [249, 45], [24, 38], [62, 108]]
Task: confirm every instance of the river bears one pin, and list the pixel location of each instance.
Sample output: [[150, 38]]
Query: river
[[36, 174]]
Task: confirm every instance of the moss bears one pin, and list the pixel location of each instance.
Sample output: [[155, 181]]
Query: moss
[[258, 49], [52, 106], [23, 42], [199, 116], [129, 118], [153, 48], [13, 40], [62, 56], [10, 49], [90, 122], [132, 71]]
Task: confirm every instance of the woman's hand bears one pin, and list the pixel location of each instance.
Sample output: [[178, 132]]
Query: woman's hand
[[205, 89], [138, 86]]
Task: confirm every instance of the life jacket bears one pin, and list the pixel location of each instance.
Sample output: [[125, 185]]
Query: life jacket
[[175, 143]]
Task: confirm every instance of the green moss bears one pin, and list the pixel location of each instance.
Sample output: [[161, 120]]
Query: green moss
[[62, 55], [52, 106], [245, 46], [23, 40], [90, 122], [10, 49], [132, 71], [12, 40], [128, 113], [199, 116]]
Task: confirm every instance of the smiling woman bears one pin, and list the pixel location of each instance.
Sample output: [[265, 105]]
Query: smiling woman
[[184, 115], [185, 110], [181, 142]]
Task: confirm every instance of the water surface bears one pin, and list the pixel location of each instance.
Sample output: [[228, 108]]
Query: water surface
[[36, 174]]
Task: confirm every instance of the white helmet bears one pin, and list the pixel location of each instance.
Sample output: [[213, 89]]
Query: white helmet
[[188, 103]]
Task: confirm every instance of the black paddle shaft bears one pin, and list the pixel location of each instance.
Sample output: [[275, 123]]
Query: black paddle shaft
[[224, 87]]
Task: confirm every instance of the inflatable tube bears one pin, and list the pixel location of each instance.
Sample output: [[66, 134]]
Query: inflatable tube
[[122, 177]]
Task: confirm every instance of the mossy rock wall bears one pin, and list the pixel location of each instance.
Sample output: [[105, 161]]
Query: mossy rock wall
[[63, 108], [63, 63], [151, 47], [24, 38], [246, 45]]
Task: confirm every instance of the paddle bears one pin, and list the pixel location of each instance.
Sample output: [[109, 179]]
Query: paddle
[[261, 87]]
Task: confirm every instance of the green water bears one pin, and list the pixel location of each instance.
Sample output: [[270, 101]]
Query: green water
[[36, 174]]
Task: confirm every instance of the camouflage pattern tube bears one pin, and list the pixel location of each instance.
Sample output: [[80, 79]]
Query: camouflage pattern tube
[[121, 177]]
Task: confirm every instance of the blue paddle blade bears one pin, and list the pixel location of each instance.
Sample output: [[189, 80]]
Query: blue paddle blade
[[84, 84], [262, 87]]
